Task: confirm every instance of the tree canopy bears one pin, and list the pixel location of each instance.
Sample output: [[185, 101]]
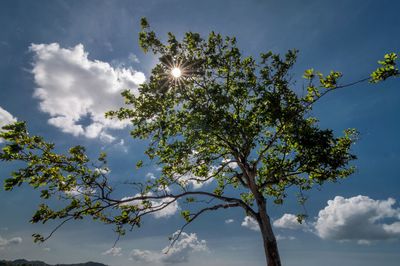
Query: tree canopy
[[236, 123]]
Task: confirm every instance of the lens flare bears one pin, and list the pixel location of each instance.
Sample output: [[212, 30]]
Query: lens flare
[[176, 72]]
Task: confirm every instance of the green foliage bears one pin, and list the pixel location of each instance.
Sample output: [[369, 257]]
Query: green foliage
[[331, 80], [139, 164], [186, 215], [388, 69], [230, 107], [70, 177]]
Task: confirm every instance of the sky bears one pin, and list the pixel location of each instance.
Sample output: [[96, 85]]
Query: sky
[[64, 63]]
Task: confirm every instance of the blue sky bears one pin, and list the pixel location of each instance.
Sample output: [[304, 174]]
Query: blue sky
[[349, 36]]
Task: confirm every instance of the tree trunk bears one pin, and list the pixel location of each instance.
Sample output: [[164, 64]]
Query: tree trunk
[[270, 245]]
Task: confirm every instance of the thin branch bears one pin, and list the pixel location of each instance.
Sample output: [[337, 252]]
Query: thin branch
[[57, 227], [195, 215], [337, 88]]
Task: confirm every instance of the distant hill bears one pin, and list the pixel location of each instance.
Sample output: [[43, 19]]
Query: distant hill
[[22, 262]]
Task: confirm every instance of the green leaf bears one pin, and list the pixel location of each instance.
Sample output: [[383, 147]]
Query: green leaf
[[186, 215], [139, 164]]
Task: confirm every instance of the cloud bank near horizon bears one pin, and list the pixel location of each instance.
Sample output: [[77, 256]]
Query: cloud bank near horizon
[[178, 253]]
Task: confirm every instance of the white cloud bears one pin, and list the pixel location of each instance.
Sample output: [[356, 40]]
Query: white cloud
[[120, 145], [133, 58], [393, 228], [250, 223], [103, 171], [190, 179], [5, 119], [113, 252], [9, 242], [229, 221], [178, 253], [80, 191], [150, 175], [289, 221], [364, 242], [72, 88], [280, 237], [145, 256], [231, 163], [195, 181], [168, 211], [105, 137], [171, 205], [359, 218]]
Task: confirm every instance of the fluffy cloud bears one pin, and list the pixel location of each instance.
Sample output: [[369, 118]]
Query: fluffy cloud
[[5, 119], [197, 182], [229, 221], [178, 253], [359, 218], [231, 163], [76, 91], [250, 223], [113, 252], [190, 179], [145, 256], [168, 211], [9, 242], [288, 221], [80, 191], [166, 207]]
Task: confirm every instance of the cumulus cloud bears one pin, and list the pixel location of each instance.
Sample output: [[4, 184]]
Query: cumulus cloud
[[190, 179], [113, 252], [230, 163], [229, 221], [5, 119], [80, 191], [197, 182], [76, 91], [145, 256], [250, 223], [178, 253], [289, 221], [359, 218], [165, 207], [9, 242]]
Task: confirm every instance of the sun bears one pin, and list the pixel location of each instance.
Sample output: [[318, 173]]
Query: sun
[[176, 72]]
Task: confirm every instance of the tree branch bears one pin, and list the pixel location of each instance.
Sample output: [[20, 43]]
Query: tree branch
[[197, 214]]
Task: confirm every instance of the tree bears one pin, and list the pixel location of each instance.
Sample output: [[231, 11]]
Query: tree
[[211, 116]]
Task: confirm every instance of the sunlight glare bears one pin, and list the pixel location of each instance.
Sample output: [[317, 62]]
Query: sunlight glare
[[176, 72]]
